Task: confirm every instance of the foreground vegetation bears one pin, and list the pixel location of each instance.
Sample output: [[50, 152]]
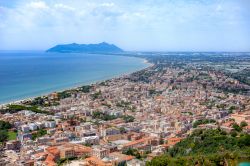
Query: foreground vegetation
[[207, 147]]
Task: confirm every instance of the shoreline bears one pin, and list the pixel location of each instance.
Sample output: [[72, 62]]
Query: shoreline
[[144, 60]]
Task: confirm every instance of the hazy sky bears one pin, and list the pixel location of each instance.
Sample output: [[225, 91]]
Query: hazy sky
[[143, 25]]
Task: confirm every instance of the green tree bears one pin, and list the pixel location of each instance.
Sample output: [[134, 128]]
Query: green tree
[[96, 95], [133, 152], [161, 140], [236, 127], [4, 125], [122, 130], [3, 135], [243, 124], [233, 133], [128, 118], [244, 140], [203, 121], [86, 88], [39, 133], [206, 147]]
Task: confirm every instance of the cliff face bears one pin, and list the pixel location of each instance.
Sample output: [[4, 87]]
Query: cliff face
[[88, 48]]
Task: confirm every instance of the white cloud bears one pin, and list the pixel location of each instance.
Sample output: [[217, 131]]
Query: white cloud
[[133, 24], [219, 8], [65, 7], [38, 5], [108, 4]]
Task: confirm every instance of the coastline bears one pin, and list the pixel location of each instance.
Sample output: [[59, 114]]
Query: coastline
[[144, 60]]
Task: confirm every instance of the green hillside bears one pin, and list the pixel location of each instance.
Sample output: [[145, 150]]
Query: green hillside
[[207, 148]]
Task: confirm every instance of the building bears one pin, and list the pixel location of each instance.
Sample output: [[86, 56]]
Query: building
[[65, 151], [110, 131], [135, 162], [24, 136], [25, 128], [94, 161], [100, 152], [50, 124], [239, 117], [144, 143], [32, 126], [13, 145]]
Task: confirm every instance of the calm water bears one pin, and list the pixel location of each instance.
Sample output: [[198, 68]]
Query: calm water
[[29, 74]]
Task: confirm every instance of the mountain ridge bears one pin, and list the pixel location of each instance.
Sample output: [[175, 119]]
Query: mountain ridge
[[87, 48]]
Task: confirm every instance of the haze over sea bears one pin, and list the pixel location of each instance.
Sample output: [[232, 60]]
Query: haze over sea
[[25, 74]]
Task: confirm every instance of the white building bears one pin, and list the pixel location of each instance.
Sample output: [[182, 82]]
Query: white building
[[135, 162], [25, 128], [40, 125], [32, 126], [50, 124], [94, 140]]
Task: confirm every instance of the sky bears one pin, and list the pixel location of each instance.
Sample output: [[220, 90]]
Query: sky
[[133, 25]]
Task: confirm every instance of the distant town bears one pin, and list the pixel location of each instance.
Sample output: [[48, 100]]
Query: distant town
[[138, 119]]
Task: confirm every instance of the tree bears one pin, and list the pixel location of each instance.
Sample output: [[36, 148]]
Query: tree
[[96, 95], [85, 89], [133, 152], [39, 133], [206, 147], [122, 130], [244, 140], [203, 121], [243, 124], [233, 133], [236, 127], [128, 118], [4, 125], [64, 94], [161, 140], [103, 116], [3, 135], [13, 108]]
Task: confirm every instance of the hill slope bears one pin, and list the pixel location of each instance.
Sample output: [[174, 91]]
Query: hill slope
[[207, 147]]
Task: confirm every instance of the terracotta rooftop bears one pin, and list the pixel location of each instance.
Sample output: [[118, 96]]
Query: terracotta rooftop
[[94, 161], [53, 150], [50, 161], [137, 142]]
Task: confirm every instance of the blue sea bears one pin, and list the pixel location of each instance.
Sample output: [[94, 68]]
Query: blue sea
[[25, 74]]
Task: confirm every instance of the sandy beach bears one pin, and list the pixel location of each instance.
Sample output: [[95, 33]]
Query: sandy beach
[[145, 61]]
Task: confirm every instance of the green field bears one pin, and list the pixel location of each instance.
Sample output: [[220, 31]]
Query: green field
[[12, 135]]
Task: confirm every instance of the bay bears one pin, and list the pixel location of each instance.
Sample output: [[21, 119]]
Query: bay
[[25, 74]]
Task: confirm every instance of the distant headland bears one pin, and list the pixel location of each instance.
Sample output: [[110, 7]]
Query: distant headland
[[86, 48]]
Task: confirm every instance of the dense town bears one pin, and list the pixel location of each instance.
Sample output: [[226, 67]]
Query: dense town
[[127, 120]]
